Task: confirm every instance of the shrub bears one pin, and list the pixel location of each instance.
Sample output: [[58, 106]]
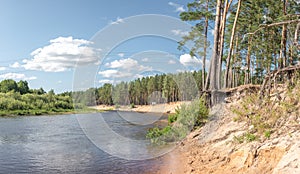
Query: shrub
[[239, 139], [13, 103], [132, 106], [267, 134], [250, 137], [262, 114], [184, 120], [245, 137], [172, 118]]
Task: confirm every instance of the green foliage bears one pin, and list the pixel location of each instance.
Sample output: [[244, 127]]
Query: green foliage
[[16, 104], [267, 133], [261, 118], [248, 137], [268, 113], [143, 91], [23, 87], [154, 133], [132, 106], [183, 121], [8, 85], [264, 46], [18, 99], [172, 118], [239, 139], [105, 94], [39, 91]]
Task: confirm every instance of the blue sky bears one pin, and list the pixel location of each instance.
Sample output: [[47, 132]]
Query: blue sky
[[44, 41]]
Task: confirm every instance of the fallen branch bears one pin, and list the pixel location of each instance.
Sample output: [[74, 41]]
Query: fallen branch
[[273, 75]]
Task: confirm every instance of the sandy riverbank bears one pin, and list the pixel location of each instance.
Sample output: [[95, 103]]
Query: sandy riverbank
[[214, 148], [157, 108]]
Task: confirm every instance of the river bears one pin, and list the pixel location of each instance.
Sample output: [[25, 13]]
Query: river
[[58, 144]]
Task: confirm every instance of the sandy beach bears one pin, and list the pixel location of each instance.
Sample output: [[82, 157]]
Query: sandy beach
[[157, 108]]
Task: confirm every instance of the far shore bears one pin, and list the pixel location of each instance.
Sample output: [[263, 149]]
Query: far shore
[[18, 113], [155, 108]]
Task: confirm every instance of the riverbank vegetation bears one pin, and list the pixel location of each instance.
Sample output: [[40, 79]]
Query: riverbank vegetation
[[265, 116], [187, 118], [16, 98]]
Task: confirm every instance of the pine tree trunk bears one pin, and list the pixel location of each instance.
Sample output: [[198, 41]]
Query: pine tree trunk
[[205, 49], [231, 45], [214, 60], [221, 43], [207, 80], [296, 34], [282, 56], [247, 74], [234, 73]]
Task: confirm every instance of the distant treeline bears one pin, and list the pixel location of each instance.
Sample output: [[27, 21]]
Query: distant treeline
[[16, 98], [143, 91]]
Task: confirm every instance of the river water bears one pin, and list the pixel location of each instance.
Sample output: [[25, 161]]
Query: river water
[[58, 144]]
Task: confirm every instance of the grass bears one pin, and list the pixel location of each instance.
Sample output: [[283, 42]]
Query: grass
[[267, 134], [248, 137]]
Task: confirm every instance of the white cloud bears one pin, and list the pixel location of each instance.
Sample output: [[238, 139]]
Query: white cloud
[[15, 65], [145, 59], [127, 64], [121, 55], [178, 7], [106, 81], [188, 60], [62, 54], [118, 21], [2, 68], [171, 62], [212, 32], [16, 76], [112, 73], [123, 68], [180, 33]]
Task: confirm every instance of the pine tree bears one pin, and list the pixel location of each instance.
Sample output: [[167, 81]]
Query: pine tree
[[202, 12]]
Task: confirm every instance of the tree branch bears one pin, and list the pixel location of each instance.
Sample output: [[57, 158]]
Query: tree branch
[[272, 25]]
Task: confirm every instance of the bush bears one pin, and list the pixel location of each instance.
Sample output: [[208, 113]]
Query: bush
[[245, 137], [267, 113], [132, 106], [13, 103], [184, 120], [250, 137], [172, 118], [267, 134]]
